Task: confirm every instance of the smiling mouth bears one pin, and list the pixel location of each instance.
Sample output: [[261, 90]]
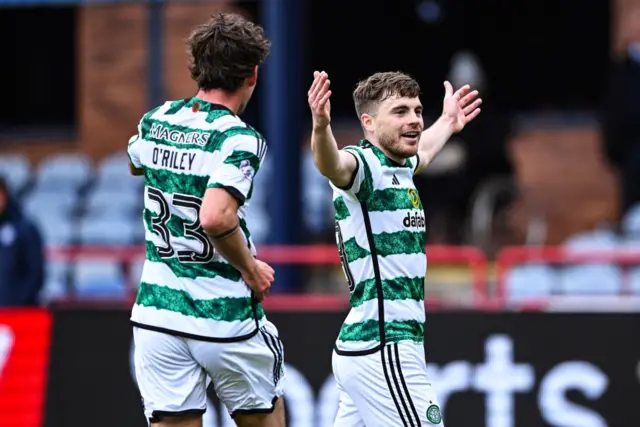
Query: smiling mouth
[[411, 134]]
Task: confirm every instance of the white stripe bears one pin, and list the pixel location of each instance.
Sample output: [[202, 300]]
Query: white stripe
[[201, 288], [174, 321], [394, 310], [392, 266], [203, 161], [393, 221]]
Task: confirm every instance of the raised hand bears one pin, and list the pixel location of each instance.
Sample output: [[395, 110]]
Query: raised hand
[[460, 107], [319, 95]]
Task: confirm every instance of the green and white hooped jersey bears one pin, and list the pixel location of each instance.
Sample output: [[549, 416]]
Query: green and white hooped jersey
[[380, 232], [185, 147]]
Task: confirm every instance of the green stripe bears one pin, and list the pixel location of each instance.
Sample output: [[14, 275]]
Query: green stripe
[[342, 211], [239, 156], [401, 242], [215, 142], [394, 331], [353, 251], [390, 199], [194, 270], [173, 182], [400, 288], [175, 107], [225, 309], [398, 243], [366, 186]]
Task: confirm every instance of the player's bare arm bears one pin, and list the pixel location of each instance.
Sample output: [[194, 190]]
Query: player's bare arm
[[458, 109], [338, 166], [219, 218]]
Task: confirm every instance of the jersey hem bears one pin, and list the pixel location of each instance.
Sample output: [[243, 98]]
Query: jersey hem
[[194, 336], [365, 352]]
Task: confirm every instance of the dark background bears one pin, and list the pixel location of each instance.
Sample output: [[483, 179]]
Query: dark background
[[90, 375]]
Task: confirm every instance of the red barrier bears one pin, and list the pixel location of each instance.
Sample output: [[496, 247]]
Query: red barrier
[[283, 254], [24, 357]]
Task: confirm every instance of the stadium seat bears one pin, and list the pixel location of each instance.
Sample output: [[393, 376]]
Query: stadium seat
[[95, 279], [108, 231], [135, 272], [592, 278], [113, 203], [55, 283], [258, 223], [631, 223], [16, 170], [634, 280], [113, 175], [56, 229], [530, 282], [39, 204], [63, 172]]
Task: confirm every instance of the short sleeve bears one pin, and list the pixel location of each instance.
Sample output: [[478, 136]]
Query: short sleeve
[[133, 150], [361, 185], [415, 163], [241, 157]]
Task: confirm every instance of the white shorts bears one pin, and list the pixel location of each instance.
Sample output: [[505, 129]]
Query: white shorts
[[173, 373], [389, 388]]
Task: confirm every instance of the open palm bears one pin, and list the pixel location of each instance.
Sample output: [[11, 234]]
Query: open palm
[[460, 107]]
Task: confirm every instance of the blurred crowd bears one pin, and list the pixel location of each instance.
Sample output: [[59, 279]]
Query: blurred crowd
[[507, 179]]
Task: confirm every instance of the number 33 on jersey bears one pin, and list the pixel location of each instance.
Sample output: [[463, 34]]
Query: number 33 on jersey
[[185, 147]]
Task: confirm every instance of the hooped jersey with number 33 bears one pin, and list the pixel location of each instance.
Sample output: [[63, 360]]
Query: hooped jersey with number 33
[[184, 148]]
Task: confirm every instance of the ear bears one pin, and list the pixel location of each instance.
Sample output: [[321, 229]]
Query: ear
[[368, 122], [253, 79]]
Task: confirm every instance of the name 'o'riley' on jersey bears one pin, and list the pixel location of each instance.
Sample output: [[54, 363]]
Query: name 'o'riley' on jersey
[[185, 147], [380, 232]]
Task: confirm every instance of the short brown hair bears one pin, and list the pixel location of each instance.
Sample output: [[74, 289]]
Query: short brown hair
[[369, 93], [224, 51]]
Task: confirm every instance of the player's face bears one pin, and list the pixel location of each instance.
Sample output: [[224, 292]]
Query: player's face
[[398, 126]]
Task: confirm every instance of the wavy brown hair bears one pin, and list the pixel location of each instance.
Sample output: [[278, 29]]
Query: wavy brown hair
[[224, 51], [370, 92]]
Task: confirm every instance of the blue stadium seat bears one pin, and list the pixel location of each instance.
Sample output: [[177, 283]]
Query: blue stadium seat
[[257, 222], [135, 272], [592, 278], [113, 203], [631, 223], [16, 170], [39, 204], [530, 282], [113, 175], [95, 279], [634, 280], [56, 229], [64, 172], [109, 231], [56, 281]]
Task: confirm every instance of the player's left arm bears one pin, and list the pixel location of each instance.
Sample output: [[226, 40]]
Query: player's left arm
[[458, 109]]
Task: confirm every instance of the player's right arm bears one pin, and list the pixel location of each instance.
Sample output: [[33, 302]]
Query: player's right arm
[[338, 166], [219, 219], [230, 184]]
